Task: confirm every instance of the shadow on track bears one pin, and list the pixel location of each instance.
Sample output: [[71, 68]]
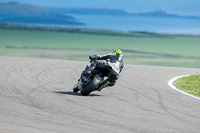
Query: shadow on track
[[73, 93]]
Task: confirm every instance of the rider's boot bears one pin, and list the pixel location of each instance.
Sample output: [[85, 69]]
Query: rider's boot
[[103, 85], [106, 83]]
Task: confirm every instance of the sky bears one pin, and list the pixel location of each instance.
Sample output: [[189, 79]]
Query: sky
[[180, 7]]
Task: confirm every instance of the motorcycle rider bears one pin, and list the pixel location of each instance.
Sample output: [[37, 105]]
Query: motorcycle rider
[[114, 60]]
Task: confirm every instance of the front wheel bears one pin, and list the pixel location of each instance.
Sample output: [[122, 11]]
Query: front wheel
[[91, 86]]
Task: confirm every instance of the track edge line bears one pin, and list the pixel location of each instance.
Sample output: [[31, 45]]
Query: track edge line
[[171, 84]]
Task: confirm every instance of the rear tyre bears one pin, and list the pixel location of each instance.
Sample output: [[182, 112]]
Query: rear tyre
[[91, 86]]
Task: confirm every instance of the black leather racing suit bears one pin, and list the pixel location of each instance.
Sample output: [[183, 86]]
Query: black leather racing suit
[[113, 60]]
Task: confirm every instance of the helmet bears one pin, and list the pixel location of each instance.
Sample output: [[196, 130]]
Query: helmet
[[118, 54], [118, 51]]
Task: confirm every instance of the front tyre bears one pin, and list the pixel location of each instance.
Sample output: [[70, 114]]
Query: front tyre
[[91, 86]]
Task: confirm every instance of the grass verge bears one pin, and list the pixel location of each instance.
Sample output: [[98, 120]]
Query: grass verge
[[189, 84], [141, 48]]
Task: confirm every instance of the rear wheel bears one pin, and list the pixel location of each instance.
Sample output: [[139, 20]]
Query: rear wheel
[[91, 86]]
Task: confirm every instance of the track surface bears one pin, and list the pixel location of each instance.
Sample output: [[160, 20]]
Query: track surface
[[36, 96]]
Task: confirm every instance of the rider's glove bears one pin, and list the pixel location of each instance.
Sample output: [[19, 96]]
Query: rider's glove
[[93, 57]]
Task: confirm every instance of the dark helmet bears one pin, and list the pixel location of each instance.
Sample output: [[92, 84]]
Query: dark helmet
[[119, 54]]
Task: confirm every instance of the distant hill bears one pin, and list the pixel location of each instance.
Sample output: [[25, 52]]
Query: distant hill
[[13, 12], [162, 13], [117, 12], [91, 11], [159, 13], [16, 13]]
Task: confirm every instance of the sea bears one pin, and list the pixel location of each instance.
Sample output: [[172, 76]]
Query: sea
[[166, 25]]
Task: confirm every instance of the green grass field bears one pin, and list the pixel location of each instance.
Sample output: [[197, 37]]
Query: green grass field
[[77, 44], [189, 84]]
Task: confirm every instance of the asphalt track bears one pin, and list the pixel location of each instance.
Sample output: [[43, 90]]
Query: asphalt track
[[36, 97]]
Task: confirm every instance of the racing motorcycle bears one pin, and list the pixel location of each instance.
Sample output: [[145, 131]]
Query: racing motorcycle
[[94, 81]]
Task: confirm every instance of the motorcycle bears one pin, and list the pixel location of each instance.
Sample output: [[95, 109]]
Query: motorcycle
[[95, 81]]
